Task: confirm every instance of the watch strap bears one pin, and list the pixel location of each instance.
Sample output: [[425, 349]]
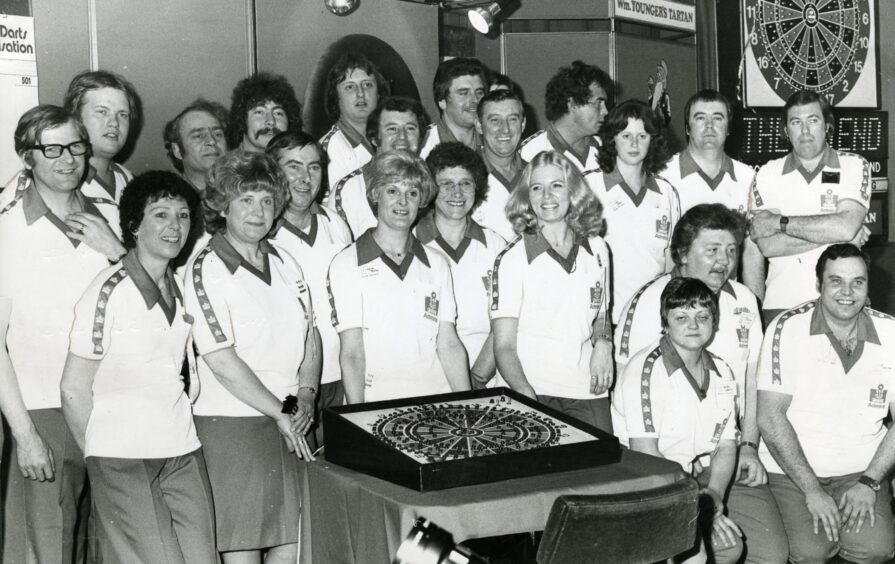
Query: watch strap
[[869, 482]]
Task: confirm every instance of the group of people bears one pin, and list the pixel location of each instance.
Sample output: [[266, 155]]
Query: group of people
[[171, 338]]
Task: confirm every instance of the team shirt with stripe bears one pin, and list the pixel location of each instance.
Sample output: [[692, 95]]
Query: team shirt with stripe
[[349, 199], [491, 213], [737, 341], [638, 230], [550, 140], [43, 274], [656, 397], [140, 409], [346, 150], [314, 248], [556, 301], [95, 187], [694, 187], [783, 186], [839, 401], [399, 307], [440, 133], [471, 265], [265, 316]]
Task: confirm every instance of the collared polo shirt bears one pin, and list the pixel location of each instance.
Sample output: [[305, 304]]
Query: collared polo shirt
[[839, 401], [346, 150], [556, 301], [140, 409], [638, 230], [737, 341], [730, 187], [492, 212], [656, 397], [264, 316], [95, 187], [43, 274], [440, 133], [349, 199], [784, 186], [471, 265], [550, 140], [314, 248], [399, 307]]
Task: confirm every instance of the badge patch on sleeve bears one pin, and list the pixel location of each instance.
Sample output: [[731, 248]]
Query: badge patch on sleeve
[[663, 227], [432, 307], [596, 296]]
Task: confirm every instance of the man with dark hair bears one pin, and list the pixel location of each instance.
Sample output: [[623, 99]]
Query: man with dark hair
[[705, 245], [109, 107], [825, 385], [353, 88], [800, 203], [458, 86], [395, 125], [575, 105], [262, 105], [501, 120], [195, 138]]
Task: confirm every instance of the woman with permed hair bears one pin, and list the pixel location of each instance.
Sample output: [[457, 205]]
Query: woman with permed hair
[[550, 294], [641, 207], [253, 325]]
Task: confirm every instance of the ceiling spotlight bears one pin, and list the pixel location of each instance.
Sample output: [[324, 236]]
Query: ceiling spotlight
[[482, 18], [341, 7]]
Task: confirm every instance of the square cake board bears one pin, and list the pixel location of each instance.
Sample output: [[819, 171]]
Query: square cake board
[[353, 435]]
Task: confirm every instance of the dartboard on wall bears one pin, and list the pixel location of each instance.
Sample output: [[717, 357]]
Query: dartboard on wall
[[827, 46]]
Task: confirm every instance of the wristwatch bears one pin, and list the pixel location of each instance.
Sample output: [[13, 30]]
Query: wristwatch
[[784, 221], [312, 388], [869, 482]]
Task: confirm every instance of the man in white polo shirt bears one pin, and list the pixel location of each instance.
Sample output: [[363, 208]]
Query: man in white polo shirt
[[805, 201], [194, 138], [458, 86], [825, 385], [575, 105], [261, 106], [354, 87]]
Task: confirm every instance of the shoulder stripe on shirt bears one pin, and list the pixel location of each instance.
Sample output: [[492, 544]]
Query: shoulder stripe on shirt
[[625, 343], [495, 291], [22, 183], [333, 318], [878, 314], [204, 302], [337, 195], [324, 141], [645, 378], [778, 332], [99, 313], [529, 139]]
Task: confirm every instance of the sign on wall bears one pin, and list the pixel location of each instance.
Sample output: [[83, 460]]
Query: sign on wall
[[827, 46], [662, 13], [18, 84]]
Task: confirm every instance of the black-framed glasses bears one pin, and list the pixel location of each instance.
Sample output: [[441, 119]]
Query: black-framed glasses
[[54, 150]]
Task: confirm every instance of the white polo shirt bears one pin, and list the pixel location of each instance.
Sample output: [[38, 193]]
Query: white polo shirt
[[314, 249], [262, 315], [492, 212], [638, 230], [140, 409], [43, 274], [784, 185], [95, 187], [439, 133], [656, 397], [839, 400], [349, 199], [346, 150], [737, 341], [550, 140], [399, 308], [556, 301], [471, 265], [694, 187]]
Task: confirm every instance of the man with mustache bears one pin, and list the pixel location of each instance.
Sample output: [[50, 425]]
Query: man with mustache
[[575, 104], [458, 86], [802, 203], [262, 105], [195, 138], [109, 107]]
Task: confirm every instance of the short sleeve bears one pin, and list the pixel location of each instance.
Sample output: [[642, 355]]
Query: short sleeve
[[674, 202], [637, 392], [771, 375], [756, 201], [207, 301], [346, 299], [857, 182], [506, 282], [91, 332], [639, 325]]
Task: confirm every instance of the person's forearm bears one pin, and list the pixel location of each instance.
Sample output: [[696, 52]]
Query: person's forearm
[[312, 364], [236, 376], [77, 405], [754, 271], [883, 459], [780, 438], [452, 356], [353, 368], [826, 229], [510, 368], [782, 245], [723, 464], [12, 406], [749, 422], [485, 365]]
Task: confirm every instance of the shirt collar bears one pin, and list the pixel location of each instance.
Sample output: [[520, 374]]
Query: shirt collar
[[147, 287], [689, 165], [369, 250], [34, 207], [230, 256], [866, 329], [508, 183], [614, 178], [536, 244], [427, 231], [354, 136], [830, 159], [445, 134]]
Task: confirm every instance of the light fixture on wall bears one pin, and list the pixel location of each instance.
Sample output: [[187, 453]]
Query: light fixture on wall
[[482, 18], [481, 13], [341, 7]]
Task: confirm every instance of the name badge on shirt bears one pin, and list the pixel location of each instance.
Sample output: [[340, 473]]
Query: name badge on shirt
[[369, 271], [431, 307], [829, 177], [726, 388], [596, 296], [663, 227], [878, 396], [828, 201]]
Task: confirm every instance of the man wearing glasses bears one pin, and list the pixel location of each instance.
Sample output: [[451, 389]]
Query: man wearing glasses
[[53, 242]]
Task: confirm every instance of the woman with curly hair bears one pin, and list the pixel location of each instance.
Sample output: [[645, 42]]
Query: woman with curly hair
[[550, 292], [641, 207]]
